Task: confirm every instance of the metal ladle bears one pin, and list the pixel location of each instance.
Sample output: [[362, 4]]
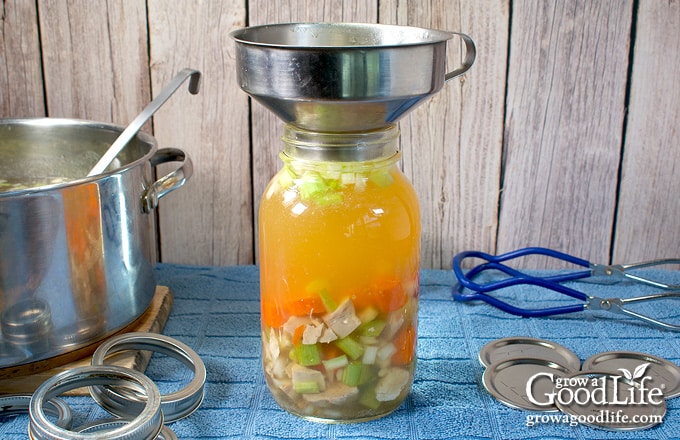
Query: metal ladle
[[141, 119]]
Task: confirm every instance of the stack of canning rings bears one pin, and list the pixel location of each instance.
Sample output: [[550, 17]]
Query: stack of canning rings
[[139, 408]]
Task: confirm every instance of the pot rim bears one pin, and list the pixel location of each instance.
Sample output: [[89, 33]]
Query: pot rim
[[95, 125]]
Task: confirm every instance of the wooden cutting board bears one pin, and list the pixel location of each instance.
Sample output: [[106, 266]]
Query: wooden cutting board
[[24, 379]]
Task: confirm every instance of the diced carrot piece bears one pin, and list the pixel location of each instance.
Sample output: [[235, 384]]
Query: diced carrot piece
[[305, 306], [386, 294], [361, 298], [405, 343], [275, 313], [272, 315], [297, 335], [389, 294], [330, 351]]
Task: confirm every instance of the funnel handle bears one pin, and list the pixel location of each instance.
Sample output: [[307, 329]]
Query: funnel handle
[[470, 55]]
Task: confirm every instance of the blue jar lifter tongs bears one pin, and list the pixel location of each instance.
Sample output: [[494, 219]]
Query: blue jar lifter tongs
[[480, 291]]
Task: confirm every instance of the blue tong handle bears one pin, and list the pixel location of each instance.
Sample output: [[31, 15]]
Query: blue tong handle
[[494, 262]]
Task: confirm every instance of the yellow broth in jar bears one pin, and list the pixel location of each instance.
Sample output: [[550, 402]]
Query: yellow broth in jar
[[339, 260]]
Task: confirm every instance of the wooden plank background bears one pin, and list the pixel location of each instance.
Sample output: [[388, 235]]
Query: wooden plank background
[[563, 133]]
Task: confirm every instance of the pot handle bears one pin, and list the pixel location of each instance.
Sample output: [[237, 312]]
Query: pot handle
[[470, 55], [170, 181]]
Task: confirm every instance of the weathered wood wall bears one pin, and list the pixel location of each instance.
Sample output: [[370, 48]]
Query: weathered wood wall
[[563, 133]]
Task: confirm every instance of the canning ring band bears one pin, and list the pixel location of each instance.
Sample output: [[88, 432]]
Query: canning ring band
[[146, 424], [19, 403], [175, 405], [107, 424]]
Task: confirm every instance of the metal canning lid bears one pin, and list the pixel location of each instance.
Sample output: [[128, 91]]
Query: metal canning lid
[[176, 405], [106, 425], [144, 425], [610, 402], [26, 322], [19, 404], [524, 383], [663, 374], [521, 347]]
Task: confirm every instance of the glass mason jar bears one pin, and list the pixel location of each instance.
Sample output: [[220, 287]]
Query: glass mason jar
[[339, 251]]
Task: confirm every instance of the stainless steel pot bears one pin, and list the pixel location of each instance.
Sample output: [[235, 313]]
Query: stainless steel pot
[[76, 257]]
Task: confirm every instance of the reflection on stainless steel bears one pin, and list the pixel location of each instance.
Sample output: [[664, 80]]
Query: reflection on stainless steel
[[146, 424], [85, 247], [27, 325], [76, 334], [28, 231], [344, 76], [83, 226], [11, 355]]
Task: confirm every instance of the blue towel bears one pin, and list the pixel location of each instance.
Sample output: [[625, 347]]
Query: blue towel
[[216, 311]]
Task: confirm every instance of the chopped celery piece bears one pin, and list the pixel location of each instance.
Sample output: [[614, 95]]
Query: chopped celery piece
[[322, 191], [327, 300], [386, 351], [311, 186], [381, 178], [368, 399], [368, 374], [316, 286], [373, 328], [303, 377], [335, 363], [368, 314], [368, 340], [308, 354], [352, 374], [369, 355], [306, 386], [351, 347], [347, 178], [329, 198], [286, 178]]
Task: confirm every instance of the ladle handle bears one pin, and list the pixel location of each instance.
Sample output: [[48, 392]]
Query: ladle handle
[[470, 55], [141, 119]]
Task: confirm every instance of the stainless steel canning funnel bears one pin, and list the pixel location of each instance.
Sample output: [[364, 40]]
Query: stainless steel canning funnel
[[344, 76]]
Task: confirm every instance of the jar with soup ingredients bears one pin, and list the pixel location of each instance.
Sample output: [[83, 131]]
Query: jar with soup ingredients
[[339, 251]]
